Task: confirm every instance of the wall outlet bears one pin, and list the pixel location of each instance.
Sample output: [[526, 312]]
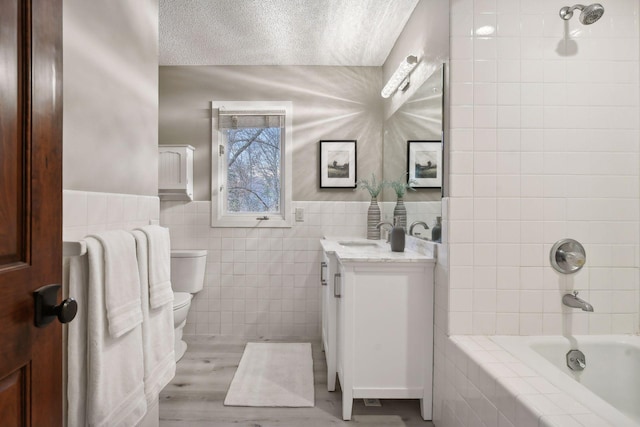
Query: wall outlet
[[299, 215]]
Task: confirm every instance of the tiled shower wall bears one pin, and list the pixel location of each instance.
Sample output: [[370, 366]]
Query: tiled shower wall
[[265, 282], [544, 146]]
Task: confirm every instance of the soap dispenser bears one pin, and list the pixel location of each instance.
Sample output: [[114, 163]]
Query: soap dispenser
[[436, 231], [397, 236]]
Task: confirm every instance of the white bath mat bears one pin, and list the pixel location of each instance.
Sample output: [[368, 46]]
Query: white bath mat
[[273, 374]]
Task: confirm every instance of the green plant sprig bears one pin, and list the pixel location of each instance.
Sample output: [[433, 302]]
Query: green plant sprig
[[372, 186], [400, 187]]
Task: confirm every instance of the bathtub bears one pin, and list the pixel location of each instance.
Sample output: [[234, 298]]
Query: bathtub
[[609, 385]]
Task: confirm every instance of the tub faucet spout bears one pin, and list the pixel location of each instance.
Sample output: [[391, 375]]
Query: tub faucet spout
[[574, 302]]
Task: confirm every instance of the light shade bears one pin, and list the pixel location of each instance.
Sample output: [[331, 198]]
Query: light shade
[[403, 71]]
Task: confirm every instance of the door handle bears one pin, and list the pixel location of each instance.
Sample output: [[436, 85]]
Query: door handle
[[337, 281], [45, 307], [323, 280]]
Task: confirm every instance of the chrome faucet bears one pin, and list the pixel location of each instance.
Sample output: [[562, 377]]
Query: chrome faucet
[[574, 302], [415, 223], [383, 223]]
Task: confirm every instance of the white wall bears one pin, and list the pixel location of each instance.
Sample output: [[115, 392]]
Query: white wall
[[328, 103], [266, 282], [110, 86]]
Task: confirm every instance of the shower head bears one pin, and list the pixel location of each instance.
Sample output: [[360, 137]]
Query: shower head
[[588, 16]]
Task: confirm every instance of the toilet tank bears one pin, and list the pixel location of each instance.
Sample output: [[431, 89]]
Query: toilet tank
[[187, 270]]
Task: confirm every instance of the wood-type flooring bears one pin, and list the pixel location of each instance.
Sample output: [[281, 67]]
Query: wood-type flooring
[[195, 396]]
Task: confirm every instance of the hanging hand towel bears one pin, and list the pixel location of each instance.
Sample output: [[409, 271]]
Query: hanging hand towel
[[115, 369], [77, 344], [121, 281], [159, 242], [157, 331]]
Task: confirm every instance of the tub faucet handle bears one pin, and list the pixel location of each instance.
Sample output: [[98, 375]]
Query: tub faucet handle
[[567, 256]]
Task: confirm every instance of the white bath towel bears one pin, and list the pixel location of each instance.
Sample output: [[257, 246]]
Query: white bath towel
[[122, 281], [157, 330], [160, 291], [105, 373], [77, 344]]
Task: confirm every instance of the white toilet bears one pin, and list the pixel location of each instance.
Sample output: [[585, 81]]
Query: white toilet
[[187, 278]]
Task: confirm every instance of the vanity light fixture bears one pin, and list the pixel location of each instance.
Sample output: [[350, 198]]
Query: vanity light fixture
[[400, 76]]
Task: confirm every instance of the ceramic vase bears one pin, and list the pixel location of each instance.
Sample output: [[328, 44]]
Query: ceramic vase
[[400, 212], [373, 218]]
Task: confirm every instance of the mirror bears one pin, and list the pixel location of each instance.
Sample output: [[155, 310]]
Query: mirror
[[420, 118]]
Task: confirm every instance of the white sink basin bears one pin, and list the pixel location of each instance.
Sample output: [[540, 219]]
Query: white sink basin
[[358, 244]]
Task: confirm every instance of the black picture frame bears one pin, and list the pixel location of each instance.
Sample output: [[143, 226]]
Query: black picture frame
[[424, 164], [337, 163]]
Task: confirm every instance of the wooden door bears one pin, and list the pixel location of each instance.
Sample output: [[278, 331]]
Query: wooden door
[[30, 208]]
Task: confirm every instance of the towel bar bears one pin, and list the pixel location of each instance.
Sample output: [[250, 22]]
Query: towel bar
[[74, 248], [79, 248]]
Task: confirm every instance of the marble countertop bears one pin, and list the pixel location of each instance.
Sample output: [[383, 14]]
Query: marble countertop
[[363, 250]]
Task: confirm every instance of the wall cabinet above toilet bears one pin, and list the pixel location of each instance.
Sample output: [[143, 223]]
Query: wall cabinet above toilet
[[175, 172]]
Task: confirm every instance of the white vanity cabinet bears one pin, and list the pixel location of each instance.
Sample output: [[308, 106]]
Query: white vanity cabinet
[[384, 324]]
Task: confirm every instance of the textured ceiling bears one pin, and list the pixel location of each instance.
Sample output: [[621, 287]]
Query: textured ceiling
[[280, 32]]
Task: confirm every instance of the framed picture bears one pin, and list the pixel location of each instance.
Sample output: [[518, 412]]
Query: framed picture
[[424, 163], [337, 164]]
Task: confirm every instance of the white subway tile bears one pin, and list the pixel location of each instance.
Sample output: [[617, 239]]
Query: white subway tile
[[531, 48], [485, 48], [509, 70], [462, 26], [462, 94], [507, 323], [461, 48], [485, 185], [485, 71], [508, 93], [484, 7]]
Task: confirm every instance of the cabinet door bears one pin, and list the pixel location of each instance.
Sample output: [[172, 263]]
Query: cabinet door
[[324, 279], [329, 318], [175, 172], [336, 289]]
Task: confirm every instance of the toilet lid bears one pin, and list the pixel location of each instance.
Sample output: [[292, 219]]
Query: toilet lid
[[180, 299]]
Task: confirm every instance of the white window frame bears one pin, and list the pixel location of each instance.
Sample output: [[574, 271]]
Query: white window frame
[[220, 218]]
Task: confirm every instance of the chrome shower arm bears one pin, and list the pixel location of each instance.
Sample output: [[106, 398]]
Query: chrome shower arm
[[566, 12]]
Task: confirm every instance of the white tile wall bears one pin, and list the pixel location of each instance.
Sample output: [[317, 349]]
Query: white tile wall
[[86, 213], [258, 282], [544, 145], [265, 282]]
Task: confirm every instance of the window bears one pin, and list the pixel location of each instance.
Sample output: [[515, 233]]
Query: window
[[251, 176]]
